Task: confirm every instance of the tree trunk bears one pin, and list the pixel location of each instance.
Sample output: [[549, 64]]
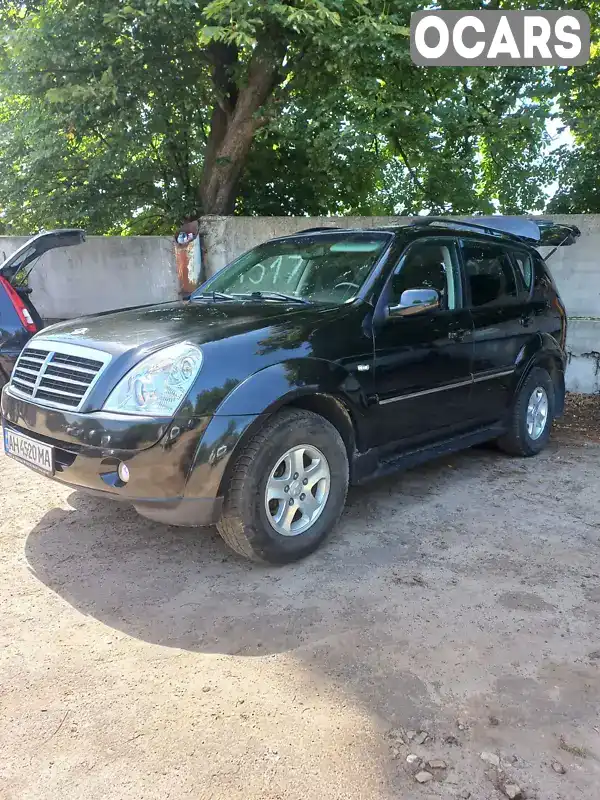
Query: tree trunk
[[234, 122], [223, 170]]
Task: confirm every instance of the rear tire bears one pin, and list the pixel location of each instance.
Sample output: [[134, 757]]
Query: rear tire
[[249, 524], [529, 425]]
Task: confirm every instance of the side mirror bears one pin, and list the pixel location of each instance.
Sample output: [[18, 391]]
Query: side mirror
[[415, 301]]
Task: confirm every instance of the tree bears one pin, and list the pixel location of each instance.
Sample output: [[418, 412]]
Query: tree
[[155, 102], [578, 163], [131, 115]]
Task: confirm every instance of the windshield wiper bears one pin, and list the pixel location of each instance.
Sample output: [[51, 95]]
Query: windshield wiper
[[216, 295], [292, 298]]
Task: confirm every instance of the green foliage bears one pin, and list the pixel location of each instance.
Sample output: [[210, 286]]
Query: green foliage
[[443, 140], [578, 170], [87, 135], [126, 116]]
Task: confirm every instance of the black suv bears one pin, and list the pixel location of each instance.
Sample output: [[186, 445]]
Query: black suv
[[310, 362]]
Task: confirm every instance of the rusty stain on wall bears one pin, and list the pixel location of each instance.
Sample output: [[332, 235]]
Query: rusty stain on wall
[[188, 257], [184, 256]]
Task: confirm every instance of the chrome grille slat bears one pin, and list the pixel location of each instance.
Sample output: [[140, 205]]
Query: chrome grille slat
[[34, 351], [21, 386], [52, 376], [92, 365], [24, 379], [69, 402], [33, 372], [61, 376], [54, 390], [32, 362], [71, 367]]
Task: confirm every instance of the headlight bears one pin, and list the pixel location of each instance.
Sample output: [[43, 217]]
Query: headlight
[[157, 385]]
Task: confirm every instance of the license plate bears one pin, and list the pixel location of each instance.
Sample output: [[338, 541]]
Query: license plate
[[35, 454]]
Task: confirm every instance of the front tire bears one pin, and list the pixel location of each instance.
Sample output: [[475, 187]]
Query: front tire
[[531, 416], [287, 490]]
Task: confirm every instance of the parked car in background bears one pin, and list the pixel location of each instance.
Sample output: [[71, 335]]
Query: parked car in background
[[311, 362], [19, 319]]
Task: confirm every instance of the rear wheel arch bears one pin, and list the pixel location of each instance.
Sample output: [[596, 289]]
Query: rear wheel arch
[[518, 440], [555, 369], [553, 364], [542, 350]]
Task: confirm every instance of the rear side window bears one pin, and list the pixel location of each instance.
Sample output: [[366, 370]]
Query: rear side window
[[489, 273], [524, 264], [543, 276]]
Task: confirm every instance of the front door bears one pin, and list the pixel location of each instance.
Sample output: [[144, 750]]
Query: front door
[[499, 301], [423, 360]]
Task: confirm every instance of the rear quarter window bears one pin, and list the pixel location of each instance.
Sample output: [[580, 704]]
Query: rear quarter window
[[524, 263], [543, 276]]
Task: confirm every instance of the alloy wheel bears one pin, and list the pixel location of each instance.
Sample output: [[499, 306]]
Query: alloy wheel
[[297, 490]]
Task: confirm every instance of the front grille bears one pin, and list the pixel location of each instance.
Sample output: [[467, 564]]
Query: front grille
[[57, 374]]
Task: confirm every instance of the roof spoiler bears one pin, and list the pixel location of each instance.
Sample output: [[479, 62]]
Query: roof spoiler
[[36, 246], [553, 234]]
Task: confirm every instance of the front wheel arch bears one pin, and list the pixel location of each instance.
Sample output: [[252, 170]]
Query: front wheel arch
[[325, 405], [334, 411], [246, 524]]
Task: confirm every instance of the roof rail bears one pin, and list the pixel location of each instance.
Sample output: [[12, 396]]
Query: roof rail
[[322, 228], [516, 228]]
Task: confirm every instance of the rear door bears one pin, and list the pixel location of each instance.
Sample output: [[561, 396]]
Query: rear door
[[423, 361], [498, 298]]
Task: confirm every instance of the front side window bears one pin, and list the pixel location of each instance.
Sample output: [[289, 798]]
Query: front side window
[[489, 273], [328, 268], [428, 265]]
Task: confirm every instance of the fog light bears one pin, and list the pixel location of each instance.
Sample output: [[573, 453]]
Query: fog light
[[123, 471]]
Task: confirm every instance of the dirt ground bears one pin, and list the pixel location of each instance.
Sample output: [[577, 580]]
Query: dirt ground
[[458, 602], [581, 419]]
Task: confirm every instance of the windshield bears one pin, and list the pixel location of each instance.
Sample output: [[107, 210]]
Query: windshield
[[328, 268]]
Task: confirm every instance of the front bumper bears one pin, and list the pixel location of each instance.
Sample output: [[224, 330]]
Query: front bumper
[[176, 466]]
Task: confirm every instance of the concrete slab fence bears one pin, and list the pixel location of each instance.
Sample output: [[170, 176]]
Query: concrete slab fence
[[116, 272]]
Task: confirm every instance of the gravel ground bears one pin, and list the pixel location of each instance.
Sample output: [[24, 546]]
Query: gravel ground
[[454, 612]]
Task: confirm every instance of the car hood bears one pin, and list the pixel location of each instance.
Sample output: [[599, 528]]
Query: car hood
[[150, 328]]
